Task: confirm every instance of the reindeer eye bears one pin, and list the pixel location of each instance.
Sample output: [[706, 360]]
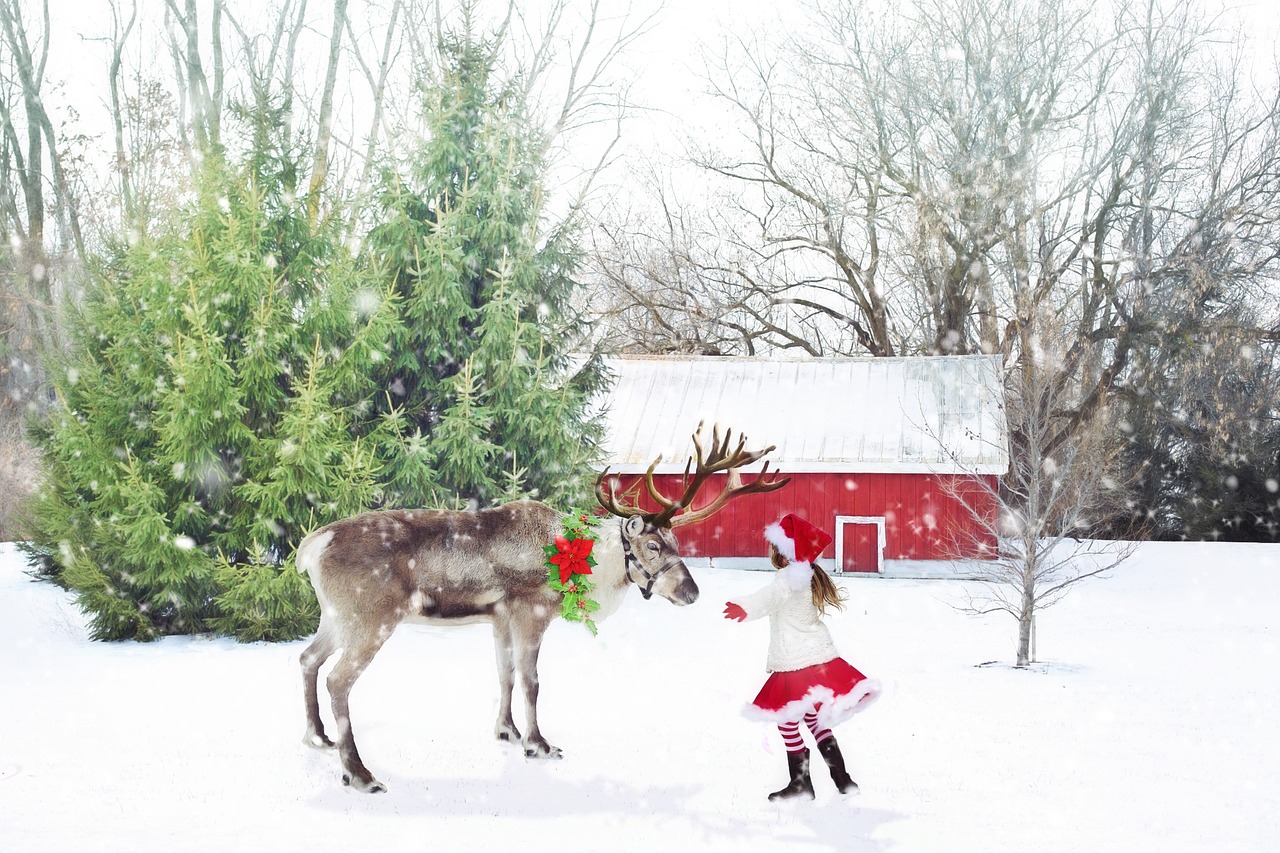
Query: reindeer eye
[[652, 546]]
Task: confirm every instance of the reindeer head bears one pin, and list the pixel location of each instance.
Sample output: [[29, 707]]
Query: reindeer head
[[652, 552]]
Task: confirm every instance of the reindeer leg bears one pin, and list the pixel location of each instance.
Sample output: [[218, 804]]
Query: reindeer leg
[[505, 729], [528, 644], [356, 656], [313, 657]]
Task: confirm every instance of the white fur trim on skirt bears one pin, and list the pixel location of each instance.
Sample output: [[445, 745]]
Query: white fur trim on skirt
[[832, 711]]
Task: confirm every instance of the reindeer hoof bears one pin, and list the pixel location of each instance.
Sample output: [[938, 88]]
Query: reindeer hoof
[[543, 751], [317, 741], [370, 786]]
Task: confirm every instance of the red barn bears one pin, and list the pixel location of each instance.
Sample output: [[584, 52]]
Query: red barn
[[893, 456]]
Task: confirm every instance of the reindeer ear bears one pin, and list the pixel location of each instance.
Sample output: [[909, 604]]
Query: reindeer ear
[[633, 526]]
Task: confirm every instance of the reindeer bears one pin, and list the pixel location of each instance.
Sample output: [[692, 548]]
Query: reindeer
[[375, 570]]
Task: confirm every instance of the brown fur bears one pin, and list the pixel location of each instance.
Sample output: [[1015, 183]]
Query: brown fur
[[375, 570]]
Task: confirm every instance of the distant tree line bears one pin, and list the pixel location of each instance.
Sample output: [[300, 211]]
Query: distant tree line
[[351, 255], [1087, 190]]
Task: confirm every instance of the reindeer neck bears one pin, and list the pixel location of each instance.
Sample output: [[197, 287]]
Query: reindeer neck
[[610, 573]]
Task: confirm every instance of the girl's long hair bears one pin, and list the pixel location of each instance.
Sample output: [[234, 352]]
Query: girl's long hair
[[825, 591], [822, 587]]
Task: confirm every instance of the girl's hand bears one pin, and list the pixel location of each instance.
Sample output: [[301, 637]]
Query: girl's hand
[[733, 611]]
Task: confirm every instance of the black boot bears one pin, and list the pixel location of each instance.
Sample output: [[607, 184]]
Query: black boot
[[835, 761], [801, 785]]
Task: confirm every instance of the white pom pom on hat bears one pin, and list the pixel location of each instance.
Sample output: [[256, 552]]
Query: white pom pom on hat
[[797, 539]]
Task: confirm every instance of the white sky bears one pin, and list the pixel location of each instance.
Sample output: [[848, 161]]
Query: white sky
[[667, 67], [666, 64]]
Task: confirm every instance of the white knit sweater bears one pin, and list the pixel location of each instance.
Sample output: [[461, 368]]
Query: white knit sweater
[[797, 637]]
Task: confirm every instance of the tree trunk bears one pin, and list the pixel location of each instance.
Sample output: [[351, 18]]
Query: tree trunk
[[320, 170], [127, 212], [205, 104], [378, 84], [1026, 616], [32, 289]]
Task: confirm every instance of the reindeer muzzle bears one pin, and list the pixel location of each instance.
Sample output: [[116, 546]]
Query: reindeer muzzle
[[634, 567]]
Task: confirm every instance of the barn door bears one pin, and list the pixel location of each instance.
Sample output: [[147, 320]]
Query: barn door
[[859, 543]]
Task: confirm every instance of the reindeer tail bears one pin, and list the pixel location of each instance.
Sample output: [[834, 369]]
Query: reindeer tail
[[310, 550]]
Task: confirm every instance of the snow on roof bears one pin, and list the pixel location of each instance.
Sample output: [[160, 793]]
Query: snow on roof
[[905, 415]]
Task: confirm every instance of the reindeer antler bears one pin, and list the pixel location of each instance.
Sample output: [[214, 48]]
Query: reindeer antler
[[719, 459], [609, 500], [704, 465]]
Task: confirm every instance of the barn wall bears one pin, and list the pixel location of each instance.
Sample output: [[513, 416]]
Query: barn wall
[[924, 520]]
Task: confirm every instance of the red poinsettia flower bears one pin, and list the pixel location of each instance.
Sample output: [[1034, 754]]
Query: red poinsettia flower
[[572, 558]]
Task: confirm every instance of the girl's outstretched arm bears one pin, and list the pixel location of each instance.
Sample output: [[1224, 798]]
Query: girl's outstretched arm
[[758, 604]]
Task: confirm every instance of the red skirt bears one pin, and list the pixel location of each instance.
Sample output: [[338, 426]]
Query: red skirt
[[834, 690]]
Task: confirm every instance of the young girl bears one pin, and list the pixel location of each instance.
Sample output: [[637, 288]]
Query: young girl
[[809, 680]]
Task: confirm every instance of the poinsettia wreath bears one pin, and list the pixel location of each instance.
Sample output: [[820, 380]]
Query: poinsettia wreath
[[570, 561]]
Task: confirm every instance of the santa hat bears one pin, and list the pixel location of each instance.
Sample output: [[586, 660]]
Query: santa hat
[[796, 539]]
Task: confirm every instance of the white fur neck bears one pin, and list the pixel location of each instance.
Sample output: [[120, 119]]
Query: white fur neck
[[610, 572]]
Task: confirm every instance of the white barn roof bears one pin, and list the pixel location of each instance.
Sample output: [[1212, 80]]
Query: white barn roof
[[903, 415]]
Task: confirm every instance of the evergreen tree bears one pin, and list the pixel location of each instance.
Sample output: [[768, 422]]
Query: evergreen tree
[[1200, 436], [204, 417], [480, 386], [239, 379]]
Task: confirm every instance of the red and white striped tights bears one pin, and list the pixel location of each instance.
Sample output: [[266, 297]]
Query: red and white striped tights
[[790, 732]]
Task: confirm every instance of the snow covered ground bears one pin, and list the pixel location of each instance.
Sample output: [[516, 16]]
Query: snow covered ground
[[1151, 725]]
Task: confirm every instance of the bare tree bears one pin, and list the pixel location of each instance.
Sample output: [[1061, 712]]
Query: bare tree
[[29, 64], [43, 237], [669, 283], [563, 59], [569, 69], [271, 68], [202, 100], [1047, 502], [818, 217], [320, 165], [378, 85], [120, 30], [150, 168], [948, 158]]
